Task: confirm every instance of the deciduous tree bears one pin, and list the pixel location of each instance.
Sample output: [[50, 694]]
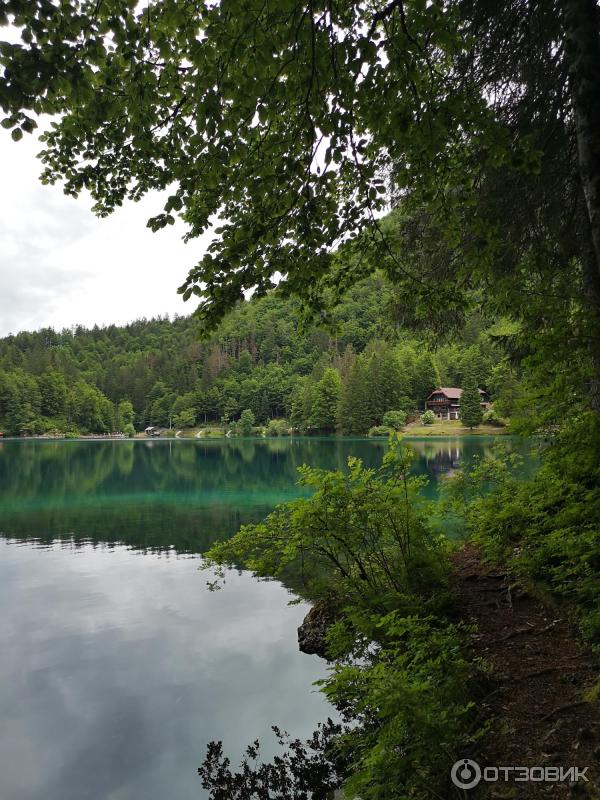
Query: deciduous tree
[[246, 422]]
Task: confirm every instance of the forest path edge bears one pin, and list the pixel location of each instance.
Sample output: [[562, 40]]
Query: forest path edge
[[539, 675]]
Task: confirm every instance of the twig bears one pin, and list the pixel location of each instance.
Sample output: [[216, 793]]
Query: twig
[[512, 634], [540, 672], [565, 707]]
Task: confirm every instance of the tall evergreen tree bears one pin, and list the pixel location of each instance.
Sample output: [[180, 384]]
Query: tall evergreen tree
[[471, 412], [384, 381], [354, 409], [426, 377]]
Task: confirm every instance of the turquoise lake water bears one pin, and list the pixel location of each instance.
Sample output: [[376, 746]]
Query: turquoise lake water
[[118, 665]]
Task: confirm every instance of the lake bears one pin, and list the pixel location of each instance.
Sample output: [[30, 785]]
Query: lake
[[118, 665]]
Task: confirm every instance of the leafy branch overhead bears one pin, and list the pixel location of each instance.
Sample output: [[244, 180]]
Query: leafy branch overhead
[[294, 127], [293, 124]]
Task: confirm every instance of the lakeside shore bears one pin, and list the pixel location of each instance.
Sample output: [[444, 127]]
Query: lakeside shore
[[452, 428], [412, 430]]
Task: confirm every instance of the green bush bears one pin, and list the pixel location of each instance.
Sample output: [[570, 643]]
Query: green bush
[[428, 417], [400, 678], [408, 708], [380, 430], [277, 427], [186, 418], [363, 534], [394, 419], [547, 528], [245, 422], [491, 417]]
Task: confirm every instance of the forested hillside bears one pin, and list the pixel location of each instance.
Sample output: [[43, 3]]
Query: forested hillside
[[345, 376]]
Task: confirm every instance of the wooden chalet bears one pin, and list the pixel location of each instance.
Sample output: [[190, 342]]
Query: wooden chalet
[[445, 402]]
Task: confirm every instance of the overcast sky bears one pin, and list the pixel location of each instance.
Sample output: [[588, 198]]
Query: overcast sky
[[60, 265]]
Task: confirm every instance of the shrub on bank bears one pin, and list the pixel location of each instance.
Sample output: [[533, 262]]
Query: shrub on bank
[[380, 430], [546, 528], [400, 678], [277, 427], [491, 417], [394, 419]]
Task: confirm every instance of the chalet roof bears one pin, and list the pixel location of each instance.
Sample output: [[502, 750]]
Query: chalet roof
[[451, 392]]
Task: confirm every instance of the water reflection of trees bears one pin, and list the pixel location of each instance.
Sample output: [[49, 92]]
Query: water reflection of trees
[[154, 494], [181, 494]]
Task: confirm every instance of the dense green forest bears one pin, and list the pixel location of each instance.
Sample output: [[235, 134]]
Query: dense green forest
[[156, 372]]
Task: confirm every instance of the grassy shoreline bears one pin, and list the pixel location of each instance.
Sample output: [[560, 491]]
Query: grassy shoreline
[[452, 428], [410, 432], [416, 430]]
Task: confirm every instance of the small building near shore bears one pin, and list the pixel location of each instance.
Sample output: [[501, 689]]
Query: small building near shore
[[151, 430], [445, 402]]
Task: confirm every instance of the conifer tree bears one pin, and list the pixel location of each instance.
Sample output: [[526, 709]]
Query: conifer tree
[[471, 412], [354, 412]]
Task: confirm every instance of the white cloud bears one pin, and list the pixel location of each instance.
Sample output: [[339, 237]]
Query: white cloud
[[61, 266]]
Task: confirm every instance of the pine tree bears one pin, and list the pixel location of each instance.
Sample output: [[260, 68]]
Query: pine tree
[[384, 381], [354, 411], [471, 412], [426, 377]]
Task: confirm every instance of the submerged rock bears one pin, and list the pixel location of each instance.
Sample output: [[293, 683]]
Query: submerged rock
[[313, 631]]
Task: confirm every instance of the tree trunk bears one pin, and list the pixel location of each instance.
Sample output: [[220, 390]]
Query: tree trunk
[[582, 45], [582, 33], [591, 289]]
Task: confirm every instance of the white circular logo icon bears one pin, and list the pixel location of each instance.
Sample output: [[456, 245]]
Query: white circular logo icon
[[466, 773]]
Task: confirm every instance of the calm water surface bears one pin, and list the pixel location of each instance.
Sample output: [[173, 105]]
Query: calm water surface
[[118, 666]]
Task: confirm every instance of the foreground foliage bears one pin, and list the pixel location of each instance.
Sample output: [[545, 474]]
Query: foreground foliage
[[361, 538], [399, 677], [295, 125]]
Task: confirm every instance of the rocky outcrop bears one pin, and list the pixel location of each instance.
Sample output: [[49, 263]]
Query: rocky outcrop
[[313, 631]]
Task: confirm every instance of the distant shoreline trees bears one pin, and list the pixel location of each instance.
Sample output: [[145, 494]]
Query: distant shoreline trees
[[157, 372]]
